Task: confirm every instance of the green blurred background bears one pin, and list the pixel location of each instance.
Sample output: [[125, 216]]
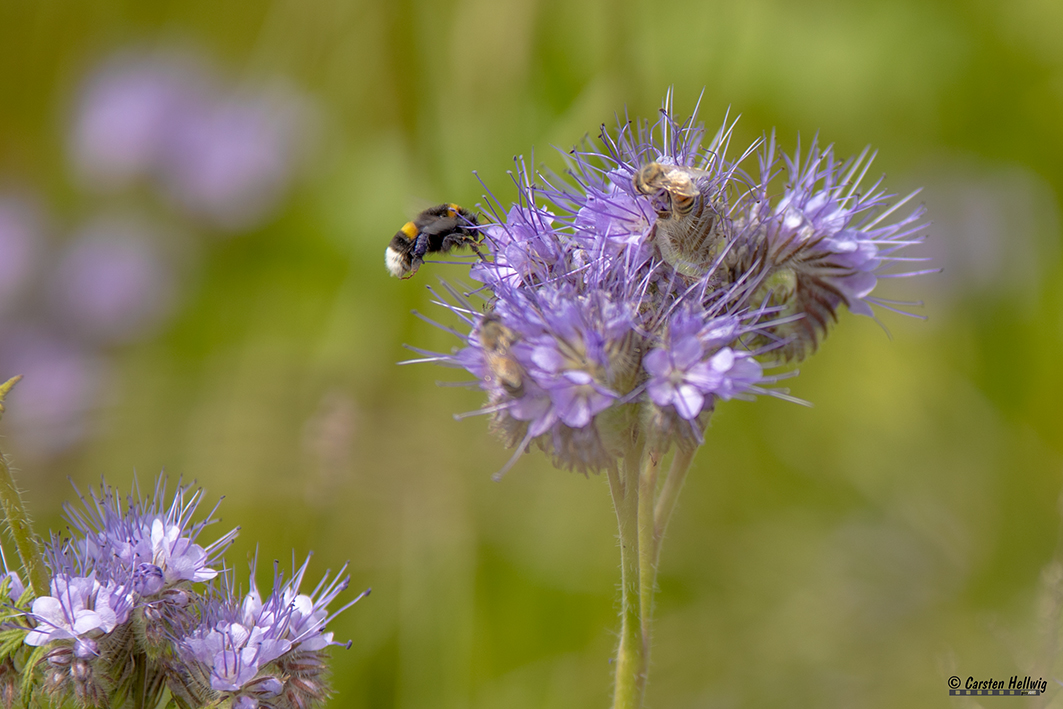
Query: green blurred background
[[853, 554]]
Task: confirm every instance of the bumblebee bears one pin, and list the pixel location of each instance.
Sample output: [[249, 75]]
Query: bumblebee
[[435, 230], [689, 228], [496, 340]]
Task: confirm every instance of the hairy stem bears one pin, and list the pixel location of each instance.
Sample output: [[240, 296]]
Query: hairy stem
[[18, 522], [673, 483], [642, 516], [647, 548], [630, 656]]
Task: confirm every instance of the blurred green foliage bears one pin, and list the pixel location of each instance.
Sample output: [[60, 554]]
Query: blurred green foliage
[[854, 554]]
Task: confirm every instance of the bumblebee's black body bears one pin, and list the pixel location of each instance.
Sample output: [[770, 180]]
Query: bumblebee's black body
[[435, 230]]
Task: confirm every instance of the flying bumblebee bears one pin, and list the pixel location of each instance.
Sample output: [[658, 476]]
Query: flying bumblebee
[[435, 230], [688, 228], [496, 340]]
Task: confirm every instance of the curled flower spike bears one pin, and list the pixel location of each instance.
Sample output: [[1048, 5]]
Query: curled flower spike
[[657, 278], [822, 243]]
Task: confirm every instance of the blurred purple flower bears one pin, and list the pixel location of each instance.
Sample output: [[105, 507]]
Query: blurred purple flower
[[231, 162], [224, 155], [126, 114], [62, 383], [20, 246], [112, 284]]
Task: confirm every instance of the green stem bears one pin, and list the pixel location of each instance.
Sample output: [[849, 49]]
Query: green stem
[[642, 516], [18, 522], [647, 549], [673, 483], [630, 658]]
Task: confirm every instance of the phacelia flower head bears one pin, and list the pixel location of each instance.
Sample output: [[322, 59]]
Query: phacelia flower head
[[264, 652], [139, 613], [79, 623], [152, 543], [659, 277], [823, 242], [80, 608]]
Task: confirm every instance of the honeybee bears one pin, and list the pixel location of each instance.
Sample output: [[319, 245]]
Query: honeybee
[[680, 189], [435, 230], [496, 340], [688, 227]]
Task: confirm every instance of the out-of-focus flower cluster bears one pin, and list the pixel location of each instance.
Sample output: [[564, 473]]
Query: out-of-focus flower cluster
[[659, 277], [138, 609], [225, 155], [155, 130]]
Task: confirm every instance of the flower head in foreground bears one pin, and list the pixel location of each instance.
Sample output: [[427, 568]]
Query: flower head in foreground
[[127, 571], [150, 543], [258, 652], [660, 277], [134, 609]]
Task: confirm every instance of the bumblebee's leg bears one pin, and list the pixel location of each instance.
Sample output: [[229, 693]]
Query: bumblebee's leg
[[475, 246], [420, 247], [459, 239], [472, 240]]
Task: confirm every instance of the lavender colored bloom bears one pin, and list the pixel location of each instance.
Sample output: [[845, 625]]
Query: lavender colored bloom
[[525, 247], [130, 592], [697, 366], [111, 283], [81, 609], [252, 649], [308, 614], [824, 242], [235, 653], [20, 246], [15, 587], [127, 113], [230, 162], [612, 219], [62, 384], [153, 543], [659, 276]]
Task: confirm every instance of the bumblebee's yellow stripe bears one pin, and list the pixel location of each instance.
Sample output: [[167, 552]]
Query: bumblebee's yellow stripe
[[454, 209], [410, 230]]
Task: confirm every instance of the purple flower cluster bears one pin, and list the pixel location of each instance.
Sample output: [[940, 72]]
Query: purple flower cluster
[[223, 155], [266, 652], [659, 277], [226, 156], [132, 588]]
